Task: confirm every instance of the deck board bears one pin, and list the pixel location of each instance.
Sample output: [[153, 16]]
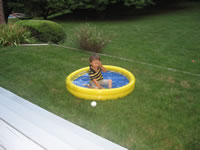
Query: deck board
[[42, 129]]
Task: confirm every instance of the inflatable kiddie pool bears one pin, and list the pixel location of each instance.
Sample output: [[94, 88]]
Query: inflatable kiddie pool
[[100, 94]]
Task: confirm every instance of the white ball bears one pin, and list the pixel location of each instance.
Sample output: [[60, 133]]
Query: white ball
[[93, 103]]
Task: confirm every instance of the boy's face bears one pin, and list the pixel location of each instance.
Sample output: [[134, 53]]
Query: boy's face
[[95, 64]]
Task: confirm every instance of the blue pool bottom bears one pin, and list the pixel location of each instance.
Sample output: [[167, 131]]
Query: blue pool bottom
[[118, 80]]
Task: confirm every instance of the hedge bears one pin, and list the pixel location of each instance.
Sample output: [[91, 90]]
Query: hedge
[[44, 30]]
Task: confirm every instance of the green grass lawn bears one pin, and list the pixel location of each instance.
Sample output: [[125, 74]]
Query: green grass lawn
[[168, 38], [163, 111]]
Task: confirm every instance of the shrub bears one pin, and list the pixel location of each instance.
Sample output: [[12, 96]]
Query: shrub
[[45, 31], [88, 38], [13, 34]]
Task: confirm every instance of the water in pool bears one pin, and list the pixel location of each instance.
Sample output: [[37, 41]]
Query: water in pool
[[118, 80]]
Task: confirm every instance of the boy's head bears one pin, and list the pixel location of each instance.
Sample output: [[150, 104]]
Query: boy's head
[[94, 61], [94, 57]]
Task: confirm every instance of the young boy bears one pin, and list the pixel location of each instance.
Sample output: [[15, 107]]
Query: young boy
[[96, 78]]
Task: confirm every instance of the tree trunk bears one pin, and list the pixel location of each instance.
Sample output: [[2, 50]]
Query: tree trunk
[[2, 18]]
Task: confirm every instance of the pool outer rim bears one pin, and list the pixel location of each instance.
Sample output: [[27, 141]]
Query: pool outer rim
[[100, 94]]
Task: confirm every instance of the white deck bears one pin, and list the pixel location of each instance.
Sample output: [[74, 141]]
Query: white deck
[[25, 126]]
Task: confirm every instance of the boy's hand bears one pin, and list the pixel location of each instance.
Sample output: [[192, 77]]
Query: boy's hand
[[100, 64]]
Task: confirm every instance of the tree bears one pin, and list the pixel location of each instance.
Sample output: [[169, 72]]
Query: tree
[[100, 5], [93, 8], [2, 18], [138, 3], [44, 8], [51, 6]]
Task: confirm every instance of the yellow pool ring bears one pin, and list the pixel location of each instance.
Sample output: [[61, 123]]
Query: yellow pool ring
[[100, 94]]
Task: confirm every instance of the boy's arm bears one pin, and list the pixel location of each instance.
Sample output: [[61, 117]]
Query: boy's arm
[[97, 84], [102, 67]]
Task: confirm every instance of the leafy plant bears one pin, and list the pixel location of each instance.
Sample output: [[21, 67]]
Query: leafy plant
[[88, 38], [13, 34], [45, 31]]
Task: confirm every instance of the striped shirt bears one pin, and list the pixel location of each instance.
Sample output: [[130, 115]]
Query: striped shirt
[[95, 74]]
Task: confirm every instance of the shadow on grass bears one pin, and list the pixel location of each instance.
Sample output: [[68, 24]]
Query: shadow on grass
[[119, 12]]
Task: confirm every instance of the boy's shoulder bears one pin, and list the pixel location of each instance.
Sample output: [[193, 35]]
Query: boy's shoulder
[[91, 70]]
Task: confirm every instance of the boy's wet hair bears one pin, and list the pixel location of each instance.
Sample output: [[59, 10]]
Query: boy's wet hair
[[94, 57]]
